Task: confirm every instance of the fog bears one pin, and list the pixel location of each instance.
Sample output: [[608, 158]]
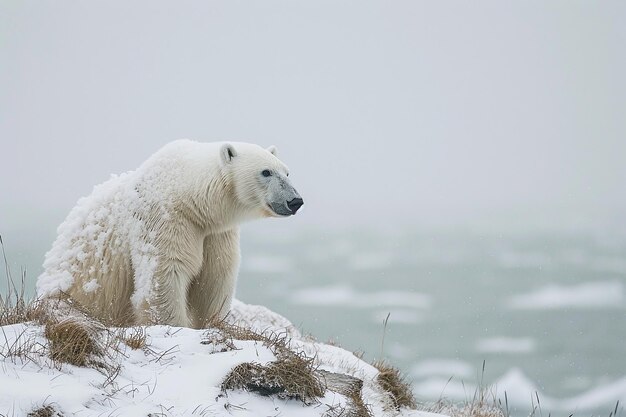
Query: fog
[[387, 113]]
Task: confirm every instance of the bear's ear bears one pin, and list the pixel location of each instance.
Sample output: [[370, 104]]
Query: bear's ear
[[227, 153], [272, 149]]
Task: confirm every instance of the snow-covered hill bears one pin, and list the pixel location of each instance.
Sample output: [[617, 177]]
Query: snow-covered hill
[[171, 371]]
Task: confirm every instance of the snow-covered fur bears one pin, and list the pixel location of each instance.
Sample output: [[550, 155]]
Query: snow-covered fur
[[161, 244]]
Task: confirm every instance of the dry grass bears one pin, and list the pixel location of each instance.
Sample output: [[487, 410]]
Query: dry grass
[[290, 377], [395, 383], [73, 342], [357, 407], [293, 375], [222, 335], [230, 332], [14, 308], [392, 380], [72, 336], [220, 340], [136, 338], [23, 346], [78, 339]]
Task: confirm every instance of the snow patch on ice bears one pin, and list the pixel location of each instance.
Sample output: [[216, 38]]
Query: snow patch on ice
[[603, 396], [601, 294], [443, 367], [346, 296], [506, 345], [520, 390]]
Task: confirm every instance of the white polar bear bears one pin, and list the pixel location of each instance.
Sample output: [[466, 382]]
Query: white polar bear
[[161, 244]]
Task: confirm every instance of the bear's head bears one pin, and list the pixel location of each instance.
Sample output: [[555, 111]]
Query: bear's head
[[260, 180]]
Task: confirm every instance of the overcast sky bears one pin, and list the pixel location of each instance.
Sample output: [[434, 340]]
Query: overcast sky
[[388, 113]]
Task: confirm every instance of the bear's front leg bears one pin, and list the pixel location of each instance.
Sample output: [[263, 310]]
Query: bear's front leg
[[178, 262], [169, 301], [212, 290]]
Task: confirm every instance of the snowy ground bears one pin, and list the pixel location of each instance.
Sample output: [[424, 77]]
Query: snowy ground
[[174, 375]]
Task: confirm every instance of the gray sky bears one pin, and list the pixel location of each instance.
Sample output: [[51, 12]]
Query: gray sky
[[388, 113]]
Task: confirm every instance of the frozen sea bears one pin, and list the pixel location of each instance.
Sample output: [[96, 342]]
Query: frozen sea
[[544, 311]]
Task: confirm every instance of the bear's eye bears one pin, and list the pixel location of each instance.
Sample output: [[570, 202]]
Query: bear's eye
[[266, 173]]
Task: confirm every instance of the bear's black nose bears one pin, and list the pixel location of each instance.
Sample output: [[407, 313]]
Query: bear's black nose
[[295, 204]]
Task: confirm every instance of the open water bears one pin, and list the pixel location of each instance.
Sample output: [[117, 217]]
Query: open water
[[546, 313]]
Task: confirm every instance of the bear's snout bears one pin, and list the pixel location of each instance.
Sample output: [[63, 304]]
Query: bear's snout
[[295, 204]]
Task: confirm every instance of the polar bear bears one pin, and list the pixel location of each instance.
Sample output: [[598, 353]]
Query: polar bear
[[161, 244]]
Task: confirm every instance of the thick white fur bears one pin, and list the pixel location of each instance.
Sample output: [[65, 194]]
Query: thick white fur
[[161, 244]]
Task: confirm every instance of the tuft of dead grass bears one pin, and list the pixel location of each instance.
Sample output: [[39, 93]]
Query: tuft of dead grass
[[45, 411], [76, 338], [73, 335], [136, 338], [73, 342], [395, 383], [357, 408], [289, 377], [292, 376]]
